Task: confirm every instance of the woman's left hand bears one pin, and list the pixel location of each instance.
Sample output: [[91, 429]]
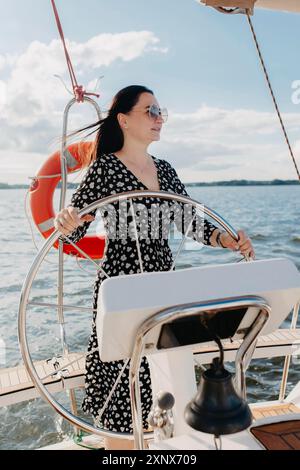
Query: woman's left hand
[[243, 244]]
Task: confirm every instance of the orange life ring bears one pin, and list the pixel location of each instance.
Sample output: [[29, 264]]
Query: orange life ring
[[41, 199]]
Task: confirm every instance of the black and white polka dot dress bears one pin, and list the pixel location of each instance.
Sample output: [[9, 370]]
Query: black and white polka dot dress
[[107, 176]]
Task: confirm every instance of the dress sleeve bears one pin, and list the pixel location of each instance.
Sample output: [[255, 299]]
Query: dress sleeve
[[90, 190], [201, 230]]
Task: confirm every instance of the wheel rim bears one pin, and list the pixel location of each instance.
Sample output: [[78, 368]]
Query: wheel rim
[[26, 289]]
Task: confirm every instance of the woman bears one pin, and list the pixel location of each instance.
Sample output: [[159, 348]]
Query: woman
[[122, 163]]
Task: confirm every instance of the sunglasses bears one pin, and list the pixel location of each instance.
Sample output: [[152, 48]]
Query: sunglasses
[[154, 112]]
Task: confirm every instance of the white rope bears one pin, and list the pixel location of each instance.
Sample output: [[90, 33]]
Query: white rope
[[79, 265], [43, 177]]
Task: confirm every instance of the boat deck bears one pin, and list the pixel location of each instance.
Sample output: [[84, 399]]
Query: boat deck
[[16, 385], [275, 409]]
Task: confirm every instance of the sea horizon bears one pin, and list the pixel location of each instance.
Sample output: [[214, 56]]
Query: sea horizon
[[241, 182]]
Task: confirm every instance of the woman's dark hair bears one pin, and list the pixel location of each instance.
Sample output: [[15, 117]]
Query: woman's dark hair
[[110, 136]]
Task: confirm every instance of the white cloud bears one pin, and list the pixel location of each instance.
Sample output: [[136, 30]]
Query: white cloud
[[3, 94], [2, 62], [214, 144], [31, 98], [17, 167], [102, 50], [204, 145], [207, 145], [32, 92]]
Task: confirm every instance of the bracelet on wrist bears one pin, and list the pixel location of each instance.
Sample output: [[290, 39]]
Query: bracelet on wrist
[[218, 240]]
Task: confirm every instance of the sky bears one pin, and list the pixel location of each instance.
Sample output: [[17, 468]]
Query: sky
[[202, 65]]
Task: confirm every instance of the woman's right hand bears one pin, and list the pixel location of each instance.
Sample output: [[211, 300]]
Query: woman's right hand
[[67, 220]]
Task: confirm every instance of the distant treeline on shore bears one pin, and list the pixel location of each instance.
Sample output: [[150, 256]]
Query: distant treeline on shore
[[191, 185]]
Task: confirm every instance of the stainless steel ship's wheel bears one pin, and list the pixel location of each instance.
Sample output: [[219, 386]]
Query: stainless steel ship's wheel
[[195, 210]]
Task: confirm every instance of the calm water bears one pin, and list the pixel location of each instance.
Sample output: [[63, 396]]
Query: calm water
[[270, 215]]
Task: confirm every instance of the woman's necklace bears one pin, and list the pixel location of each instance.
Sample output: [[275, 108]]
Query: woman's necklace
[[141, 170]]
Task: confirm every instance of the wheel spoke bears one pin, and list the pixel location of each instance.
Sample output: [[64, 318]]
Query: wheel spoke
[[97, 420], [99, 268], [137, 237], [65, 307], [182, 242], [24, 303]]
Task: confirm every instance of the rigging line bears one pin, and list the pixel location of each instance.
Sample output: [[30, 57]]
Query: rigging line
[[272, 94], [79, 91], [61, 33], [28, 219], [26, 211]]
